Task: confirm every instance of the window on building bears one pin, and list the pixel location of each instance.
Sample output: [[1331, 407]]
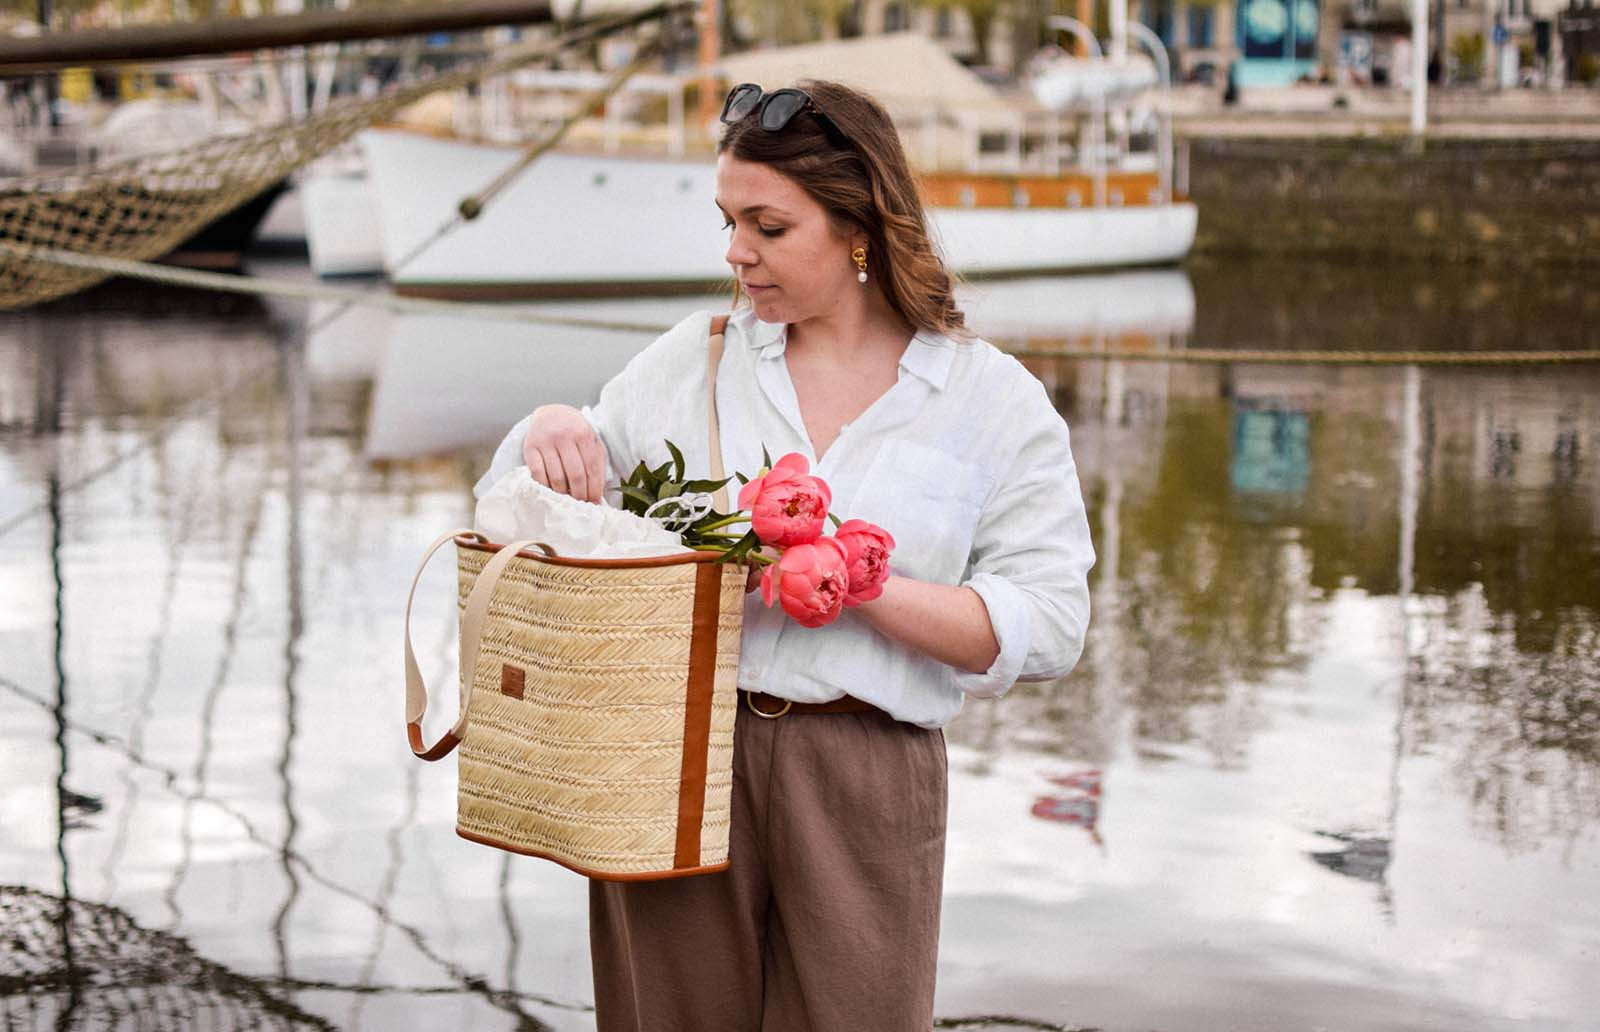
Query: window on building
[[1201, 26], [894, 18], [941, 23], [1157, 17]]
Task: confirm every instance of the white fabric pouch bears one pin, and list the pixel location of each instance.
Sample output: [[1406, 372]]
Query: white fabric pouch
[[519, 508]]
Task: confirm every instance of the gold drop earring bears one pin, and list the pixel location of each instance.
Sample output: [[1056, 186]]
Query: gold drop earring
[[860, 255]]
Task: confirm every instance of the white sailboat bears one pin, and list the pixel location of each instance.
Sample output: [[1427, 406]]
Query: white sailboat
[[1012, 187]]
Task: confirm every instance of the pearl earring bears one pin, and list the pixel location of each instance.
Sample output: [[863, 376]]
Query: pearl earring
[[860, 255]]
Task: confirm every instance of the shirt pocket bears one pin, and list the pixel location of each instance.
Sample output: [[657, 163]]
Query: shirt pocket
[[929, 501]]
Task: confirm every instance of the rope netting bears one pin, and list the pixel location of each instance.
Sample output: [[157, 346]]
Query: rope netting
[[69, 963], [144, 207]]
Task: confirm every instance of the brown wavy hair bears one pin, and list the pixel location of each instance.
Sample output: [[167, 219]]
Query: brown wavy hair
[[865, 185]]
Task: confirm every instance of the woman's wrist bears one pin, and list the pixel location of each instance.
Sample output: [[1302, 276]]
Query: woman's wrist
[[873, 612], [949, 623]]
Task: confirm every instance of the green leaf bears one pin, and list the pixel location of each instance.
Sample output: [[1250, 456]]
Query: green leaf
[[670, 489], [766, 460], [747, 544], [631, 493], [705, 485], [645, 479], [743, 480], [677, 461]]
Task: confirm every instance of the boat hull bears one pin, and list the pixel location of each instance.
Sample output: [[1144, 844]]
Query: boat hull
[[222, 243], [577, 225], [341, 221]]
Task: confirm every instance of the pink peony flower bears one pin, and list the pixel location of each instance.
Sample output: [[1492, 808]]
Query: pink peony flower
[[866, 551], [810, 582], [786, 505]]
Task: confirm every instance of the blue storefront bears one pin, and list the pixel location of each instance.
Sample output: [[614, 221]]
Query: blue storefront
[[1277, 41]]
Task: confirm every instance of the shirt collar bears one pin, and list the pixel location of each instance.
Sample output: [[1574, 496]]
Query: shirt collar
[[766, 339], [927, 357]]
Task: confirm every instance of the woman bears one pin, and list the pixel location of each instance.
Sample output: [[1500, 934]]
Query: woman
[[828, 917]]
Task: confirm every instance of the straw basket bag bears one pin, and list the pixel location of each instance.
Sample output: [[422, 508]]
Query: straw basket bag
[[598, 701]]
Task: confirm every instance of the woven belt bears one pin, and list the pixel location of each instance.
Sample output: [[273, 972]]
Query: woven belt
[[771, 707]]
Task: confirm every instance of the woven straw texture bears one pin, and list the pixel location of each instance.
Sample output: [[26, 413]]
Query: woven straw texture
[[584, 769]]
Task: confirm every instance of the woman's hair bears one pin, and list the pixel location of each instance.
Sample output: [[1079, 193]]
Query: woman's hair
[[866, 185]]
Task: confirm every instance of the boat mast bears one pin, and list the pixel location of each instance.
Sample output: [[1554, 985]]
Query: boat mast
[[710, 19]]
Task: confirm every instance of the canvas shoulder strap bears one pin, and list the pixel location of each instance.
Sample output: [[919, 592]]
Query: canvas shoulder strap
[[719, 325]]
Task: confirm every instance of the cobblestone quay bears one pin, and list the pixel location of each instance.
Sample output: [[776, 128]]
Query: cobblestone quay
[[1480, 201]]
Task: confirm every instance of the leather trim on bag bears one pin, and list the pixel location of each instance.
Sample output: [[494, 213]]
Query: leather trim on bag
[[697, 714], [440, 749], [479, 545], [484, 840]]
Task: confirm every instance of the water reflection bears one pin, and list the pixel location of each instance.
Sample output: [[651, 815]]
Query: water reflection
[[1341, 682], [1225, 531]]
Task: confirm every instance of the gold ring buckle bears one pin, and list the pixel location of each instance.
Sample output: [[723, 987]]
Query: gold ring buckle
[[750, 701]]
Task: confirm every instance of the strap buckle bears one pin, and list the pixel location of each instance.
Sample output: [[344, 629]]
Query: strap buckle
[[750, 701]]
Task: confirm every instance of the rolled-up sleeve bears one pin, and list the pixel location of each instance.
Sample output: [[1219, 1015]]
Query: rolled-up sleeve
[[1031, 554]]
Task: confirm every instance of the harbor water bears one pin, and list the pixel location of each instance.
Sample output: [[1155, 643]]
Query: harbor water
[[1331, 759]]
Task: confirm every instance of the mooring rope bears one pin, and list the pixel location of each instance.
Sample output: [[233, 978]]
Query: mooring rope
[[502, 313], [1274, 357], [271, 287]]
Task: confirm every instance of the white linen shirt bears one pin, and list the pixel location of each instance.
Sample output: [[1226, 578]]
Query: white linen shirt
[[964, 461]]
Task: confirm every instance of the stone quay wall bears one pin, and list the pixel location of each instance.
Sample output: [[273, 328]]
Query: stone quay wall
[[1532, 201]]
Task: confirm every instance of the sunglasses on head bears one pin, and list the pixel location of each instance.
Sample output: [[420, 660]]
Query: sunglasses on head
[[776, 109]]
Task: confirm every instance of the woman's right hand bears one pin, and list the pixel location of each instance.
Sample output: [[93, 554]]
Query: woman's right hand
[[562, 452]]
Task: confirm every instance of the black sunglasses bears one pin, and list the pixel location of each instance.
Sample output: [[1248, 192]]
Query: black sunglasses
[[776, 109]]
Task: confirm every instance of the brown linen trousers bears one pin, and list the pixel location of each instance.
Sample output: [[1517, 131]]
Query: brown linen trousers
[[827, 919]]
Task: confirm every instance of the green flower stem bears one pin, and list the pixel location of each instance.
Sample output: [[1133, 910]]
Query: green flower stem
[[728, 522], [753, 557]]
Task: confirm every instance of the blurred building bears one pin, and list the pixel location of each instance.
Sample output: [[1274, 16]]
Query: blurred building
[[1490, 42], [1281, 42], [1578, 35]]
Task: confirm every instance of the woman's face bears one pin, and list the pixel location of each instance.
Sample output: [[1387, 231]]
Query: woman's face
[[789, 257]]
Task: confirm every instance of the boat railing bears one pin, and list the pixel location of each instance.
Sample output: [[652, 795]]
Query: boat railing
[[504, 97], [1158, 53]]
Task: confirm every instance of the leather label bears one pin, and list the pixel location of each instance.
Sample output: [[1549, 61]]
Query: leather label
[[512, 680]]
